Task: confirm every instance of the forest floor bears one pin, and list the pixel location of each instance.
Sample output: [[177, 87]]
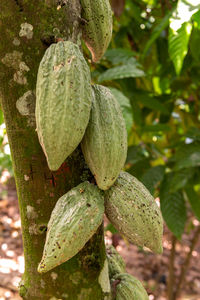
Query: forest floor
[[151, 269]]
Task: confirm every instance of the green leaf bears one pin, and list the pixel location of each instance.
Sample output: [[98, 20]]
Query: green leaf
[[140, 167], [130, 69], [194, 43], [180, 179], [173, 208], [194, 200], [152, 177], [110, 228], [119, 55], [125, 106], [156, 32], [1, 117], [187, 156], [5, 163], [180, 30], [137, 113], [135, 154], [178, 45], [148, 101], [156, 128], [196, 18], [122, 99], [183, 13], [193, 133]]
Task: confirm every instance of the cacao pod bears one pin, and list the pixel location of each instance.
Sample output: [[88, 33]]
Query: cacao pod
[[105, 141], [97, 27], [116, 263], [63, 101], [75, 218], [133, 211], [127, 287]]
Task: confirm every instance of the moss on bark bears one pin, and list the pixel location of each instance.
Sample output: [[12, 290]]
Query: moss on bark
[[27, 28]]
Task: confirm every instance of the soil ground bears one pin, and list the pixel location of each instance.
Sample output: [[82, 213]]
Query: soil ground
[[151, 269]]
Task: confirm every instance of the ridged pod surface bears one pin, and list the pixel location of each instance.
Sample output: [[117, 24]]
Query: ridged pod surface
[[128, 287], [97, 28], [63, 101], [75, 218], [133, 211], [116, 263], [105, 141]]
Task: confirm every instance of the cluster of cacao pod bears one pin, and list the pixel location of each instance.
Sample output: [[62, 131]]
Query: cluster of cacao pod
[[124, 286], [70, 111]]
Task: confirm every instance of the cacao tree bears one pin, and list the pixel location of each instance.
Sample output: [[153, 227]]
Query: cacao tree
[[27, 29], [59, 113], [152, 69]]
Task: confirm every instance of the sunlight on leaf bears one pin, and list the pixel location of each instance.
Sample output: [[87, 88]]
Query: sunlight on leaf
[[183, 13], [180, 29], [178, 45]]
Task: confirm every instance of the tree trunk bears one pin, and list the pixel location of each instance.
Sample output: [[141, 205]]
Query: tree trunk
[[27, 28]]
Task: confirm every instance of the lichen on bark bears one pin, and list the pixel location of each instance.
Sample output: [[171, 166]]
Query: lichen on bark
[[27, 28]]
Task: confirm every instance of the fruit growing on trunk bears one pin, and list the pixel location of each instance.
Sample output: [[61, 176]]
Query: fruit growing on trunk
[[63, 101], [97, 27], [75, 218], [133, 211], [105, 141], [116, 263], [127, 287]]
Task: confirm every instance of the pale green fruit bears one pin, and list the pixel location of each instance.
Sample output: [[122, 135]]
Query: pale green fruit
[[97, 26], [75, 218], [105, 141], [133, 211], [127, 287], [116, 263], [63, 101]]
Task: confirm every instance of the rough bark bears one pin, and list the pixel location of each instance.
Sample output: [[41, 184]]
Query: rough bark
[[27, 28]]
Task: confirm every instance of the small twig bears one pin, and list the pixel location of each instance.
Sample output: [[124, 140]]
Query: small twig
[[162, 3], [170, 284], [187, 262], [168, 4]]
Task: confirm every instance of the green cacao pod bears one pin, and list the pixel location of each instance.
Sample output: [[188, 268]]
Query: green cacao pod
[[105, 141], [63, 101], [133, 211], [97, 28], [75, 218], [116, 263], [127, 287]]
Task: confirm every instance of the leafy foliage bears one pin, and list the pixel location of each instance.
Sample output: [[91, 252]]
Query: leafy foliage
[[180, 31], [173, 206], [152, 177], [126, 70], [194, 199], [152, 68], [187, 156], [178, 44]]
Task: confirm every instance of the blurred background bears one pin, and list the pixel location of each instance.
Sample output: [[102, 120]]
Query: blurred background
[[153, 68]]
